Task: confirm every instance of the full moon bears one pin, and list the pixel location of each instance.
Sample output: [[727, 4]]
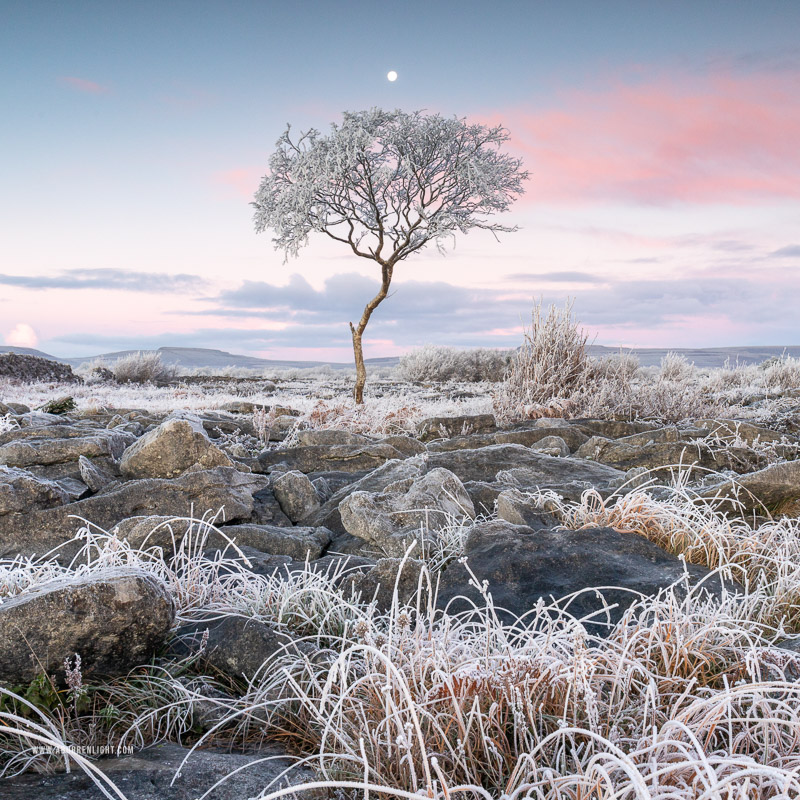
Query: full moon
[[392, 76]]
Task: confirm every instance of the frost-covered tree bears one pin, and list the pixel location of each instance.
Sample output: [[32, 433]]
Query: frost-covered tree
[[386, 183]]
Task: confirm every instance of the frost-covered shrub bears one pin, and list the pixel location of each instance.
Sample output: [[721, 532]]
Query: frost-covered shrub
[[774, 376], [435, 363], [550, 367], [675, 367], [142, 368], [552, 375], [620, 366], [781, 374]]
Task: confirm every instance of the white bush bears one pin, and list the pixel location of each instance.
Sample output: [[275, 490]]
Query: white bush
[[143, 367], [550, 367], [434, 363]]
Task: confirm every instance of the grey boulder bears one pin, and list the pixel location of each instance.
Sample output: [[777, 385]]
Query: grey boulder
[[484, 464], [20, 491], [224, 491], [391, 519], [522, 566], [114, 622], [447, 427], [236, 646], [170, 450], [339, 457], [296, 495], [148, 775], [44, 451], [776, 489]]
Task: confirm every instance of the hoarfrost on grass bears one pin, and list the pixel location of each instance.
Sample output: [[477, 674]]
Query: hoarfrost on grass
[[688, 695]]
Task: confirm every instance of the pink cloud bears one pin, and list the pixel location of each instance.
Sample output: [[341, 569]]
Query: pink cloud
[[720, 140], [81, 85], [22, 335], [244, 181]]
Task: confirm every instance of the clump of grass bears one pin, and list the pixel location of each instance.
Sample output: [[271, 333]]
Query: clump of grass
[[419, 701], [685, 697], [435, 363], [765, 558], [7, 423], [550, 367], [143, 367], [552, 375]]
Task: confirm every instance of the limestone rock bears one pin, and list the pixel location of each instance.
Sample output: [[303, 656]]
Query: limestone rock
[[514, 507], [20, 491], [41, 449], [551, 446], [113, 622], [222, 489], [374, 481], [148, 775], [316, 436], [169, 450], [447, 427], [484, 464], [341, 457], [379, 582], [625, 454], [298, 542], [612, 428], [93, 475], [532, 435], [236, 646], [393, 518], [522, 565], [296, 495], [168, 533], [776, 488], [407, 446]]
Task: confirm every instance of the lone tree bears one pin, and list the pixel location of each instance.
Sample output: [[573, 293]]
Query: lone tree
[[386, 183]]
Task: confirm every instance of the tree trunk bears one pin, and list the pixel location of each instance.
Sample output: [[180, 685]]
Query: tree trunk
[[361, 370], [357, 331]]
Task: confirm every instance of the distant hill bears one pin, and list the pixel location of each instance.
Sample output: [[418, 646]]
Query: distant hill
[[29, 351], [197, 357], [702, 356]]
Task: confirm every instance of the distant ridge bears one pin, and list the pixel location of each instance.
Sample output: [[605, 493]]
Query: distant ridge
[[29, 351], [201, 357], [702, 356]]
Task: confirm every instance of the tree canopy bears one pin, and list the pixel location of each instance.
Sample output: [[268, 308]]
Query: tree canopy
[[386, 183]]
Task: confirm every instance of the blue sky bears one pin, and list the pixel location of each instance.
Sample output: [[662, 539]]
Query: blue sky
[[660, 137]]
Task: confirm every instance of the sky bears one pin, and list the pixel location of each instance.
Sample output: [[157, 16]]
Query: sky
[[661, 140]]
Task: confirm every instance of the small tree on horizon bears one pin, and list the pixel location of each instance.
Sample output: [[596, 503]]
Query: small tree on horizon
[[386, 183]]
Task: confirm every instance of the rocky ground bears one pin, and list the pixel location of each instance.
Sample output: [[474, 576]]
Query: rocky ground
[[461, 487]]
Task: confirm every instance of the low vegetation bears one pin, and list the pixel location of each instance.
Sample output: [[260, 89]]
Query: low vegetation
[[441, 364], [690, 695], [686, 695], [138, 368]]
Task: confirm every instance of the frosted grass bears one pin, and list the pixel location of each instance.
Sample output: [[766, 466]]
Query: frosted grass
[[687, 697]]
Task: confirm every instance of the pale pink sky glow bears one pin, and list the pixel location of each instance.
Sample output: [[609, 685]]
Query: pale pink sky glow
[[82, 85], [724, 139], [243, 180], [661, 141]]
